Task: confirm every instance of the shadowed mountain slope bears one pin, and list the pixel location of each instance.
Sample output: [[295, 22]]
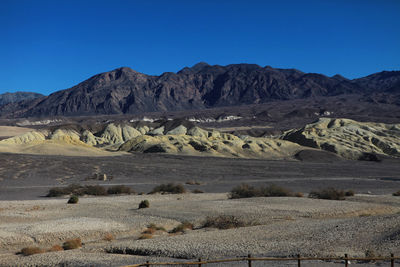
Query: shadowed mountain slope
[[125, 91], [7, 98]]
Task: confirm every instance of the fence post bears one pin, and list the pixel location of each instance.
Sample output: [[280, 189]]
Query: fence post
[[392, 260], [147, 264], [249, 256], [199, 261], [298, 260], [346, 261]]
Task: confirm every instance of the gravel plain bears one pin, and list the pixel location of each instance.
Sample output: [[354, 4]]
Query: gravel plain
[[279, 227], [282, 226]]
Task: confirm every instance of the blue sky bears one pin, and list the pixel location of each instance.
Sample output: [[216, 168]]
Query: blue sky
[[47, 46]]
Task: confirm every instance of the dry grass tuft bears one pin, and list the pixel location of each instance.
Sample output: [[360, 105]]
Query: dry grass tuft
[[31, 251], [145, 236], [72, 244], [182, 227], [55, 248], [152, 228], [149, 231], [108, 237], [224, 222]]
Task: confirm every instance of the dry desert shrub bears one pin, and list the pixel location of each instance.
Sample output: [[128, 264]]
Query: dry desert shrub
[[152, 228], [170, 188], [61, 191], [246, 191], [94, 190], [73, 200], [144, 204], [275, 191], [145, 236], [197, 191], [119, 189], [224, 222], [182, 227], [331, 194], [55, 248], [31, 251], [108, 237], [72, 244], [149, 231]]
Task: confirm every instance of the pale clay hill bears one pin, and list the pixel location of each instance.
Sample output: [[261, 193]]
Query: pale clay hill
[[347, 138]]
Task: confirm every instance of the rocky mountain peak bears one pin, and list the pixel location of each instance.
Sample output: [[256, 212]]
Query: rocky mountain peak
[[199, 66]]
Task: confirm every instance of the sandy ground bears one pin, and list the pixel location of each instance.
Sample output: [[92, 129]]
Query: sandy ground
[[281, 226], [10, 131]]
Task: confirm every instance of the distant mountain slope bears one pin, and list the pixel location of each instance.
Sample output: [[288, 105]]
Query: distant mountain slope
[[124, 90], [7, 98]]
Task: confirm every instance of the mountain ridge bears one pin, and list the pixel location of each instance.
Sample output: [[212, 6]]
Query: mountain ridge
[[202, 86], [18, 96]]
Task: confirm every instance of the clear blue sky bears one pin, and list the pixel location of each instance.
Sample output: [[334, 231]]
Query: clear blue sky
[[47, 46]]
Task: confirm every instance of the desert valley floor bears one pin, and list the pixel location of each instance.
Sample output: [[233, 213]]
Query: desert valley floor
[[280, 226], [338, 153]]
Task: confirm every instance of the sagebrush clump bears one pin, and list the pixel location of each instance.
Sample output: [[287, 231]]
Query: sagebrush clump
[[119, 189], [246, 191], [145, 236], [72, 244], [31, 251], [331, 194], [182, 227], [94, 190], [73, 200], [170, 188], [144, 204], [108, 237], [224, 222], [55, 248], [197, 191]]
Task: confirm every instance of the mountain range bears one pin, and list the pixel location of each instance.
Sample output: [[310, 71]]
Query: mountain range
[[125, 91], [7, 98]]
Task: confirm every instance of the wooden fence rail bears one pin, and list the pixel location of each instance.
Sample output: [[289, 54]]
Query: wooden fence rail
[[249, 259]]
